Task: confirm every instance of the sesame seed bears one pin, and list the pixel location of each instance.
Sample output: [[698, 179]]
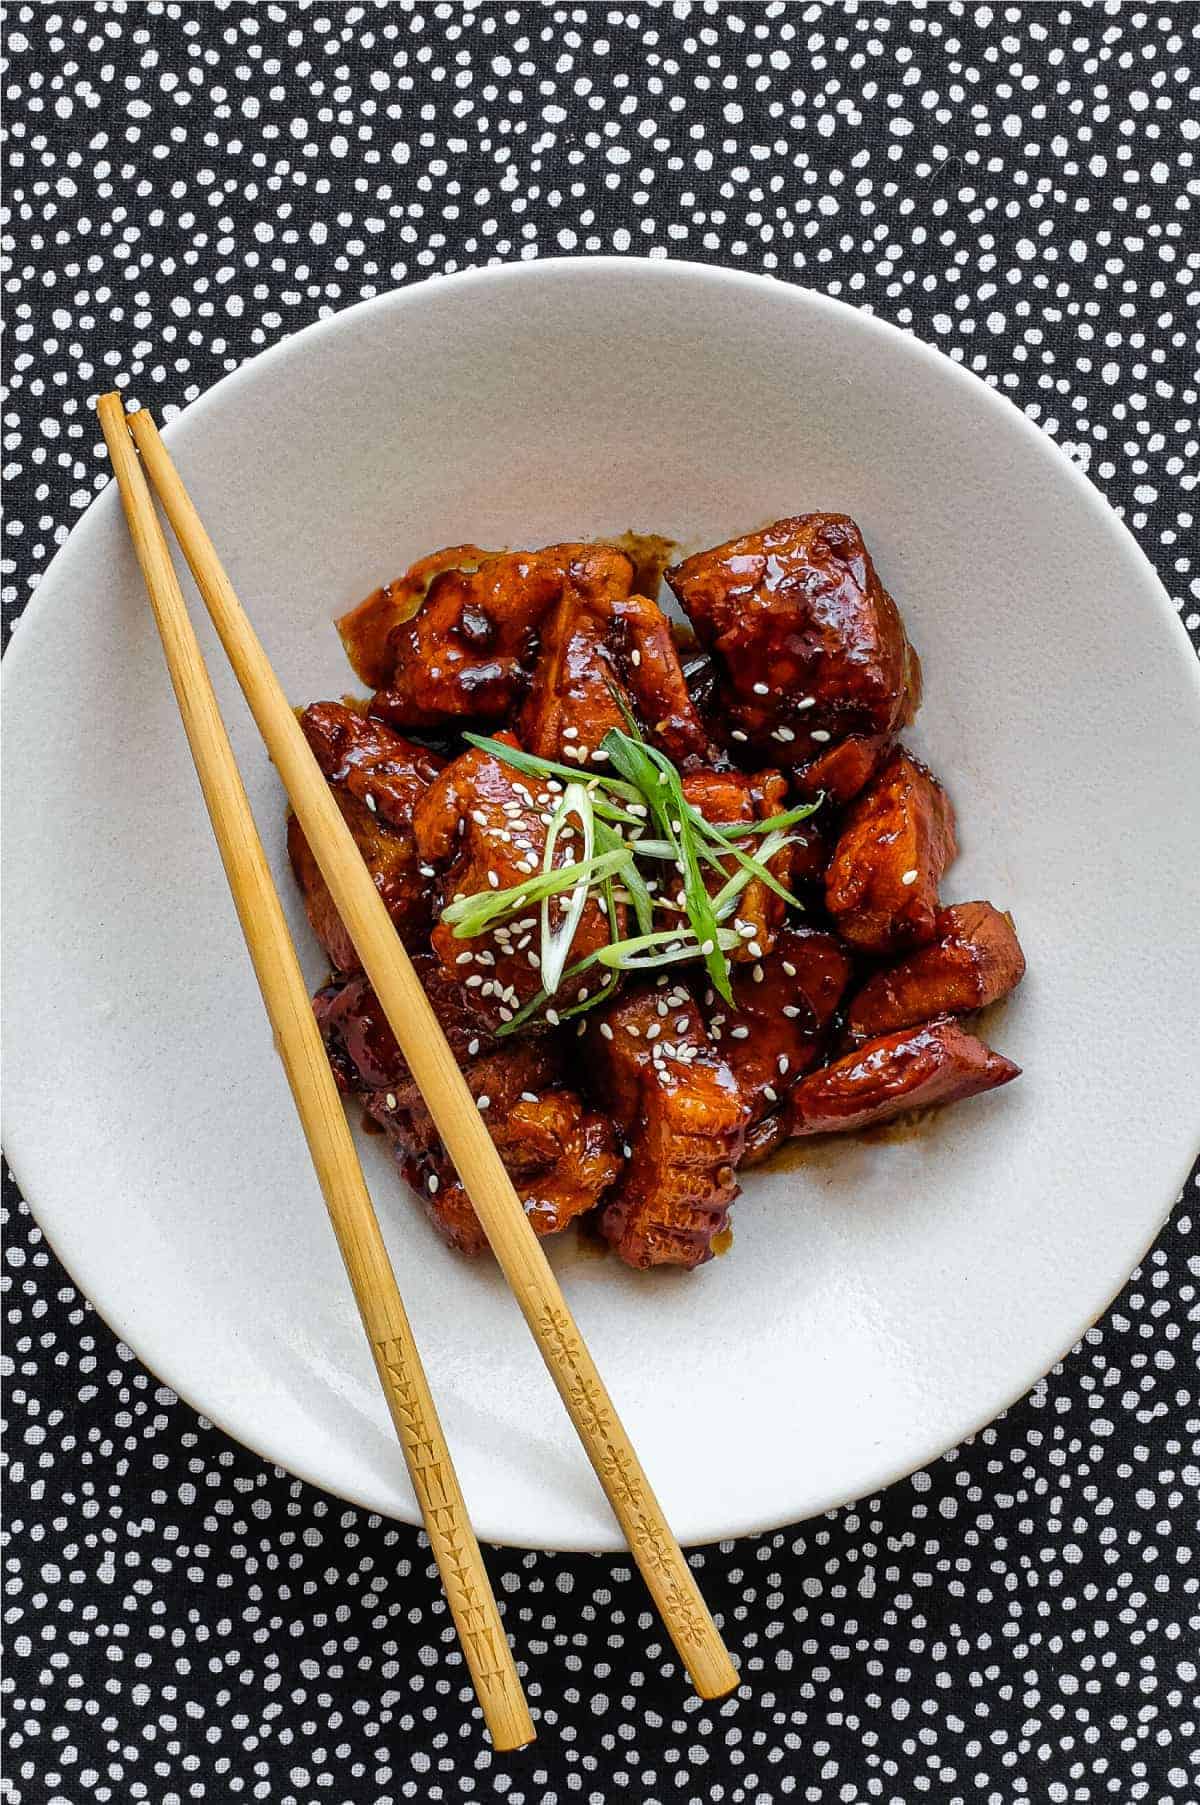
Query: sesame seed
[[739, 1033], [552, 1016], [782, 1062], [472, 1048], [653, 1031], [506, 1015], [474, 981], [427, 870], [791, 1011], [754, 949], [478, 817], [484, 1102], [464, 958], [746, 929], [819, 733], [681, 1024], [635, 1032], [737, 734], [783, 735], [662, 1006], [601, 758], [770, 1094], [761, 689], [606, 1031], [433, 1183], [570, 733], [627, 1150], [390, 1099], [708, 947], [635, 658], [806, 702], [909, 877], [370, 802], [789, 968], [758, 974], [529, 1096]]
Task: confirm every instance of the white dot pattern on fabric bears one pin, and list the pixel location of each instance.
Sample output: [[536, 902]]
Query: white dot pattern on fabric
[[1017, 184]]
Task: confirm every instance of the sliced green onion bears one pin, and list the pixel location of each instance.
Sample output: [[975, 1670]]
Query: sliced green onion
[[660, 784], [757, 866], [741, 880], [676, 944], [556, 943], [635, 884], [534, 766], [773, 824], [535, 1002], [636, 810], [470, 915]]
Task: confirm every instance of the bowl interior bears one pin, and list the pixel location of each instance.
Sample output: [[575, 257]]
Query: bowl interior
[[882, 1297]]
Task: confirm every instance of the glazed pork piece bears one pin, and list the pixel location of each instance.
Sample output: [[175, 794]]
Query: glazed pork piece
[[939, 1062], [465, 657], [366, 631], [651, 1064], [843, 770], [482, 826], [896, 841], [591, 647], [378, 779], [778, 1025], [974, 960], [810, 645], [559, 1154], [726, 797]]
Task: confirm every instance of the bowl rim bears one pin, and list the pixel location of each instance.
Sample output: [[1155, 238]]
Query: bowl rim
[[544, 272]]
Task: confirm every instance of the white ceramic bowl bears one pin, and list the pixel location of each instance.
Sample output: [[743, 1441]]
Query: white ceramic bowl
[[882, 1299]]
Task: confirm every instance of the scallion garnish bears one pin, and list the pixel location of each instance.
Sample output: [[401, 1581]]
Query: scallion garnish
[[556, 942], [634, 810]]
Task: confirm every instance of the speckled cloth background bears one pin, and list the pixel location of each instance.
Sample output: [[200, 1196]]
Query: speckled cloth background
[[1016, 184]]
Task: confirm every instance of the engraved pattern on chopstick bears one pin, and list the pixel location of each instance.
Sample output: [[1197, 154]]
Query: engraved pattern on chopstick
[[623, 1477], [431, 1481]]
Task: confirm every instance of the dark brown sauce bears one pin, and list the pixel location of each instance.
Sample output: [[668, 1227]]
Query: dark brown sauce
[[369, 1125], [651, 554], [807, 1148], [722, 1242], [588, 1239]]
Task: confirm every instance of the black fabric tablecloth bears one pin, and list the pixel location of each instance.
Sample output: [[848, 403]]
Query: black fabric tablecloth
[[1018, 185]]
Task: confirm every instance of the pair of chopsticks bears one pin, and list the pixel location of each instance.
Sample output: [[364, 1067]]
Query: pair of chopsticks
[[425, 1048]]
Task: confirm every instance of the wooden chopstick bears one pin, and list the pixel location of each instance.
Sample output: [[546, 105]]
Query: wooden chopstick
[[322, 1116], [450, 1103]]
